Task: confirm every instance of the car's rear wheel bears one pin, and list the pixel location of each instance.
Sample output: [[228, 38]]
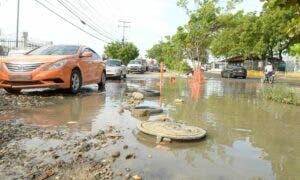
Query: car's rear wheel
[[75, 81], [101, 84], [12, 91]]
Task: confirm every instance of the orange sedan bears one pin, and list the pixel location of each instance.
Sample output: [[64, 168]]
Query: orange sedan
[[56, 66]]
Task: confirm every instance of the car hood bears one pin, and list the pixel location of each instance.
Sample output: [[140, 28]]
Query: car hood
[[129, 65], [113, 67], [36, 58]]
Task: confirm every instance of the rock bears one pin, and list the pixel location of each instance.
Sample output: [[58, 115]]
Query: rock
[[127, 176], [162, 118], [85, 147], [168, 140], [127, 169], [130, 156], [178, 100], [138, 96], [55, 156], [72, 122], [126, 106], [98, 134], [97, 176], [125, 147], [112, 135], [46, 174], [78, 156], [136, 177], [115, 154], [158, 139], [121, 110], [140, 112]]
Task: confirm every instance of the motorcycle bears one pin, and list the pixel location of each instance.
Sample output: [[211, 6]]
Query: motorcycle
[[269, 77]]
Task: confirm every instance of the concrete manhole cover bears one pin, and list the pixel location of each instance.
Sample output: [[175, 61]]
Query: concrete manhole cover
[[172, 130]]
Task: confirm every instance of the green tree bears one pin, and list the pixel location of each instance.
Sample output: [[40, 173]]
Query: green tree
[[295, 49], [237, 36], [201, 30], [125, 52]]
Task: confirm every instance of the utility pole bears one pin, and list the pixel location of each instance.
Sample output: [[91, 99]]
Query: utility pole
[[124, 25], [17, 35]]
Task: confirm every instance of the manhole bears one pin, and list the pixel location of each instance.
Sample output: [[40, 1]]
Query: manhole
[[171, 130]]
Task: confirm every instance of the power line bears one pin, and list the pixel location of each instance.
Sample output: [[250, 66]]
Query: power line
[[109, 20], [69, 21], [87, 16], [124, 26], [84, 22]]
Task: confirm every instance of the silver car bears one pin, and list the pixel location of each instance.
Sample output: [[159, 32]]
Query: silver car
[[115, 68], [136, 66]]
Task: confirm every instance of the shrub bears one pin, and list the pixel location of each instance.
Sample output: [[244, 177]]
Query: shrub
[[281, 94]]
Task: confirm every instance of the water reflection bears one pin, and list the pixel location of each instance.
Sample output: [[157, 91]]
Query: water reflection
[[74, 112], [254, 136]]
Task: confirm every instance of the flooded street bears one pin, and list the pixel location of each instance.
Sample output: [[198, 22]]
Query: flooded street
[[247, 137]]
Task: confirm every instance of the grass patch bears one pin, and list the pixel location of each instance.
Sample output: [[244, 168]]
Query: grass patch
[[281, 94]]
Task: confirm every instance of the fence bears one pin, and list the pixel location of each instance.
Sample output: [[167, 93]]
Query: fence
[[10, 45]]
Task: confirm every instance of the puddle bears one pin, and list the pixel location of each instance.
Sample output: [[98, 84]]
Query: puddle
[[248, 138]]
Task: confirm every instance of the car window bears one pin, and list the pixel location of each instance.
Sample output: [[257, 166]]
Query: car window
[[55, 50], [134, 62], [113, 63], [95, 56]]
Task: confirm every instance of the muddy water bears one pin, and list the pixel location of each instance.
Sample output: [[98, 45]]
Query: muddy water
[[248, 138]]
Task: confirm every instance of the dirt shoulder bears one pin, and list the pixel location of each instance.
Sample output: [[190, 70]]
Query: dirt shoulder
[[28, 152]]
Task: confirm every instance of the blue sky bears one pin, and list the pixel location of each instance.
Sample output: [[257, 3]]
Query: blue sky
[[151, 20]]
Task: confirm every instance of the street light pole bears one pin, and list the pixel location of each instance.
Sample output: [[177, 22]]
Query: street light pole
[[17, 35]]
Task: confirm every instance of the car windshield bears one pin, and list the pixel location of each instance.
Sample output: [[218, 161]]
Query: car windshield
[[135, 62], [55, 50], [233, 66], [113, 63]]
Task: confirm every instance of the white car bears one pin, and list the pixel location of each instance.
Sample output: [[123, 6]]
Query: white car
[[136, 66], [17, 52], [115, 68]]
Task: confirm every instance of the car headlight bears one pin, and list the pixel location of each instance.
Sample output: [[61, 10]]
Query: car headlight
[[56, 65]]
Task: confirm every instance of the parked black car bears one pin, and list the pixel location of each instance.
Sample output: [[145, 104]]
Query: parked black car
[[233, 71]]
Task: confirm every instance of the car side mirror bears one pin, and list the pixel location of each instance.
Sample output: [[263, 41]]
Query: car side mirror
[[87, 54]]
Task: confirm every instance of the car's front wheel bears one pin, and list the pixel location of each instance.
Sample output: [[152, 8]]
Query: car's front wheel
[[101, 84], [75, 81], [12, 91]]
